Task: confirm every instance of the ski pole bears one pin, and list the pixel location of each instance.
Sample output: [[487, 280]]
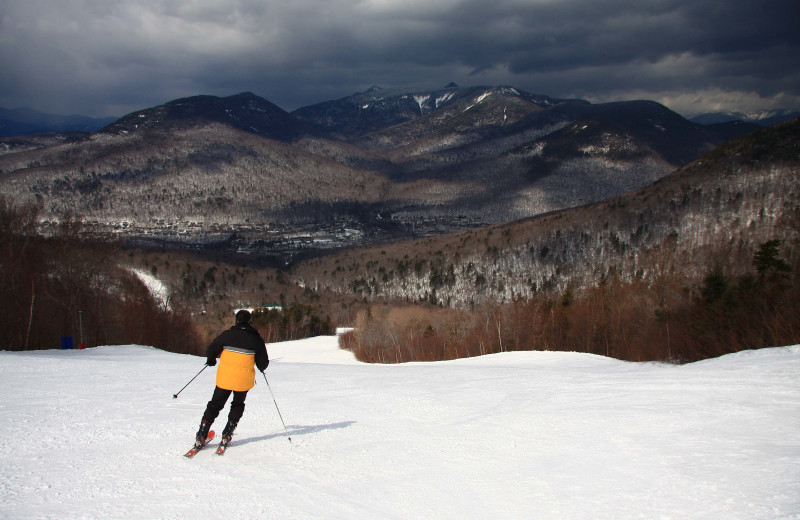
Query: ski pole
[[175, 396], [276, 407]]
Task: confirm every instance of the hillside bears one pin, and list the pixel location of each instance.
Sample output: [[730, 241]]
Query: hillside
[[716, 209], [564, 435], [241, 174]]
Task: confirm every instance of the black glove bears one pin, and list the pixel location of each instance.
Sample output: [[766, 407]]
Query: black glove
[[211, 361], [265, 367]]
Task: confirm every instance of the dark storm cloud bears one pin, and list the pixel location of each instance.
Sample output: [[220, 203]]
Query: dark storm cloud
[[108, 57]]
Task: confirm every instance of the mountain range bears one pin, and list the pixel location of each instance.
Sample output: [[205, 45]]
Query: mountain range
[[26, 121], [759, 117], [241, 174]]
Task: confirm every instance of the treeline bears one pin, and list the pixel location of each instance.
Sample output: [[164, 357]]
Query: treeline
[[296, 321], [57, 286], [666, 320]]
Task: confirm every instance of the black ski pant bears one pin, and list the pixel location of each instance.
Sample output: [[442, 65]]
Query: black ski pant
[[217, 403]]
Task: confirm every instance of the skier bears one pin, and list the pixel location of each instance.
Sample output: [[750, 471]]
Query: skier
[[239, 349]]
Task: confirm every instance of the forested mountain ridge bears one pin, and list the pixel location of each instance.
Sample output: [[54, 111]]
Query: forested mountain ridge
[[244, 111], [713, 211]]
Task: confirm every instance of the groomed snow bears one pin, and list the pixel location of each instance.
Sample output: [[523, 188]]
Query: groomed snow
[[97, 434]]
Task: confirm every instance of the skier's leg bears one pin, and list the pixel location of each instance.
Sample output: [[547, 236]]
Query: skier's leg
[[237, 406], [216, 404], [237, 410]]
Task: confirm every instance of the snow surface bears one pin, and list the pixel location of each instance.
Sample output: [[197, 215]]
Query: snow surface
[[97, 434]]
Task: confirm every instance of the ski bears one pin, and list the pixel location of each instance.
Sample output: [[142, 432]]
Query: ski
[[223, 445], [192, 452]]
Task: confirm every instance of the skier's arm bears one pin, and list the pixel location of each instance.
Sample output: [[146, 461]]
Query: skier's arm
[[213, 351], [262, 358]]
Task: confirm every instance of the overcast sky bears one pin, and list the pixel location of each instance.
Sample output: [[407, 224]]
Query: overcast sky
[[111, 57]]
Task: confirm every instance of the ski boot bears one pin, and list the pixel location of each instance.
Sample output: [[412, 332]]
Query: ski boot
[[202, 434], [227, 433]]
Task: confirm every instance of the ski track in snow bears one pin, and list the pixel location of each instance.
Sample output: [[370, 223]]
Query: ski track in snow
[[96, 434]]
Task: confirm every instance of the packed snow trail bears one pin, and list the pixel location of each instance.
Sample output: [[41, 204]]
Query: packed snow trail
[[97, 434]]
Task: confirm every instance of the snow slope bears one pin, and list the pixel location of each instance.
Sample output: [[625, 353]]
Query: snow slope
[[97, 434]]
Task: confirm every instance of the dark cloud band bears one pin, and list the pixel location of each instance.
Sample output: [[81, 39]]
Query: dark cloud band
[[106, 57]]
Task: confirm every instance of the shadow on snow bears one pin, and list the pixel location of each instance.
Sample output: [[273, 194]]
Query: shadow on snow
[[296, 430]]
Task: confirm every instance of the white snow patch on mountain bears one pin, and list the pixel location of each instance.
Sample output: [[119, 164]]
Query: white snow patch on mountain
[[480, 98], [421, 100], [96, 434], [156, 287], [444, 98]]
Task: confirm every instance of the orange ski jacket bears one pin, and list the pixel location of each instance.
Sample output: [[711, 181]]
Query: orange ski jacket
[[240, 349]]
